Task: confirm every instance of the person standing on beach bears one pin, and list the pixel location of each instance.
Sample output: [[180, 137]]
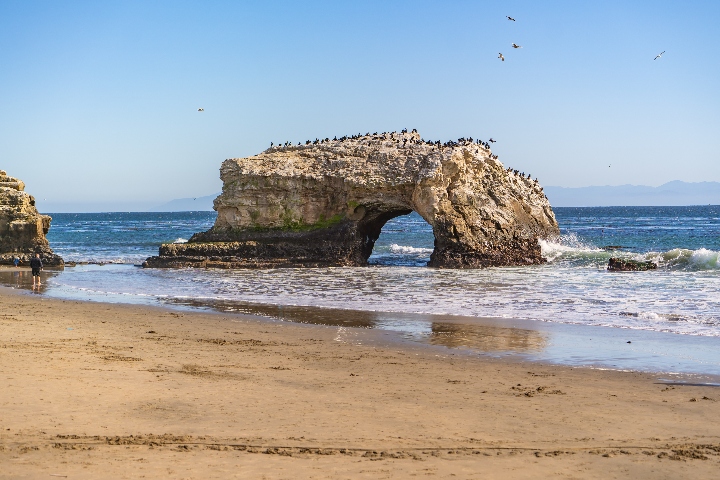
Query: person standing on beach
[[16, 262], [36, 265]]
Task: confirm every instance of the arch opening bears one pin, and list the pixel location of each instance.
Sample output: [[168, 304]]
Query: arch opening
[[400, 238]]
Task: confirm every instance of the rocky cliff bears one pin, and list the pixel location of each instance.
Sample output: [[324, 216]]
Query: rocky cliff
[[324, 203], [22, 228]]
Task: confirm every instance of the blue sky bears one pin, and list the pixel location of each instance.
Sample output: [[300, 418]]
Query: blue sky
[[98, 100]]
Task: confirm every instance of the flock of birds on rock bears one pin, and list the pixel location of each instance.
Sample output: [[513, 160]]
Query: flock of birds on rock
[[403, 141], [398, 138]]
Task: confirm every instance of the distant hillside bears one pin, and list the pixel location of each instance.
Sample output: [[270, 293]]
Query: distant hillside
[[198, 204], [674, 193]]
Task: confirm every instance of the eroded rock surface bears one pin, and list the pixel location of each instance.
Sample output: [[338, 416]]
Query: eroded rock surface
[[22, 228], [324, 204]]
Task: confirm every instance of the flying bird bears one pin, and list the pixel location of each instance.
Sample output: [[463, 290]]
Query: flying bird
[[201, 109], [659, 55], [510, 18], [492, 140], [500, 56], [514, 45]]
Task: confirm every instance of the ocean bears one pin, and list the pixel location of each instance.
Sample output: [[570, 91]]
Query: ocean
[[397, 293]]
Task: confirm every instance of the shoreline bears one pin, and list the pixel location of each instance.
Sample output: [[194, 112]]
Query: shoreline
[[695, 358], [124, 390]]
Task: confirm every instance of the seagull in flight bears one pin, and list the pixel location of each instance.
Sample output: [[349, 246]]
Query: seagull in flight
[[492, 140], [510, 18], [201, 109], [515, 45], [500, 56], [659, 55]]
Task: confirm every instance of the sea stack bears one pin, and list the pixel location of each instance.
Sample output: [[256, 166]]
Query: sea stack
[[325, 203], [22, 228]]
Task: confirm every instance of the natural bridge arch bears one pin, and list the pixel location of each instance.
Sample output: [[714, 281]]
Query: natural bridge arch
[[324, 204]]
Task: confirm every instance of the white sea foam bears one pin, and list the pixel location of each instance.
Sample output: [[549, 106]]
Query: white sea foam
[[180, 240], [685, 259], [564, 246], [403, 249]]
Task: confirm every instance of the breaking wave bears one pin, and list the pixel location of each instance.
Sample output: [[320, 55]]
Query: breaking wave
[[686, 259], [568, 246], [406, 250]]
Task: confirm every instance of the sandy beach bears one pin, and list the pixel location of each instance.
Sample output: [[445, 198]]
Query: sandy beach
[[94, 390]]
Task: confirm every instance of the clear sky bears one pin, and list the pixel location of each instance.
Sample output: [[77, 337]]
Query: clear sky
[[99, 99]]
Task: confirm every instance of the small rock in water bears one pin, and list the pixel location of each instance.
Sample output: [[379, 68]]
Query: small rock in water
[[619, 265]]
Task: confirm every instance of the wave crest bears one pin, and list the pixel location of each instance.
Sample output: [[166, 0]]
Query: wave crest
[[686, 259], [567, 245], [403, 249]]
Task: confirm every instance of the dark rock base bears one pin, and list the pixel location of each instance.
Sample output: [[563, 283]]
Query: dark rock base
[[518, 253], [342, 246], [620, 265], [48, 259]]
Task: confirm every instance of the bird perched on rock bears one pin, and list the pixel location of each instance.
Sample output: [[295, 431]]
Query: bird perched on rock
[[515, 45], [202, 109], [510, 18], [500, 56], [659, 55]]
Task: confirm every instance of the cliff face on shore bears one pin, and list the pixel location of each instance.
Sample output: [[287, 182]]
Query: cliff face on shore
[[22, 228], [325, 203]]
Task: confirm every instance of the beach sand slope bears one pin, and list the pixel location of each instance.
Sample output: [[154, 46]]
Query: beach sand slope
[[92, 390]]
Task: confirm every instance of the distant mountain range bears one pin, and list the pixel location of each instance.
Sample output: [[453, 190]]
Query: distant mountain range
[[199, 204], [675, 193]]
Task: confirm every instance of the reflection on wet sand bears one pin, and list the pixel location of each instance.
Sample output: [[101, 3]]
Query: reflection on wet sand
[[486, 338], [296, 314], [21, 278], [474, 336]]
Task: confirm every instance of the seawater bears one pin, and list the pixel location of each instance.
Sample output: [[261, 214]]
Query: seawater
[[574, 287]]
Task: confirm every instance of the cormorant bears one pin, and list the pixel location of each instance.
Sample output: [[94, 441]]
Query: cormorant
[[514, 45], [659, 55], [492, 140], [202, 109], [510, 18]]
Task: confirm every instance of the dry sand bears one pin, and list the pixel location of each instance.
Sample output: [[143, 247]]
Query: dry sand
[[92, 390]]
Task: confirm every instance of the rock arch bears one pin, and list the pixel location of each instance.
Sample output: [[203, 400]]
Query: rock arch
[[325, 204]]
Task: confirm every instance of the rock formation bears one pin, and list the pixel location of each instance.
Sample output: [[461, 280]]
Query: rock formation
[[22, 228], [620, 265], [325, 202]]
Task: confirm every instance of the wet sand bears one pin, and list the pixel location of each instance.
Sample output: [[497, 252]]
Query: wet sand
[[95, 390]]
